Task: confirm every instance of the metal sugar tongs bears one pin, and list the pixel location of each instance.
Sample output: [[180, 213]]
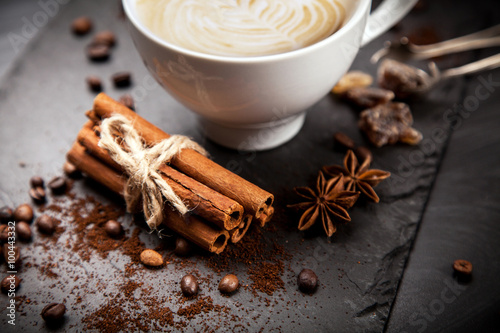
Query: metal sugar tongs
[[404, 51]]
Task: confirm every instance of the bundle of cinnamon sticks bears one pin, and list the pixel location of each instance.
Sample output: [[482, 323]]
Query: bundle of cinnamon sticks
[[221, 204]]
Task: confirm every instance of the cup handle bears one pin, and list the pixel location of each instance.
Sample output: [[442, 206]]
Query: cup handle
[[388, 13]]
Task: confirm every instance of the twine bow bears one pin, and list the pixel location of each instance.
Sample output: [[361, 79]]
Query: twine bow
[[142, 164]]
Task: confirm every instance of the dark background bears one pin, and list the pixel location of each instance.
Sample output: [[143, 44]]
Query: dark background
[[434, 210]]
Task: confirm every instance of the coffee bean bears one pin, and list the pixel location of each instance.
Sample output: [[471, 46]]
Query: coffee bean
[[189, 285], [81, 25], [6, 214], [98, 52], [23, 230], [24, 213], [37, 194], [105, 37], [307, 281], [182, 247], [94, 83], [462, 267], [363, 153], [46, 224], [128, 101], [4, 233], [113, 228], [343, 142], [151, 258], [122, 79], [57, 185], [37, 181], [53, 312], [228, 284], [70, 170], [10, 283], [11, 254]]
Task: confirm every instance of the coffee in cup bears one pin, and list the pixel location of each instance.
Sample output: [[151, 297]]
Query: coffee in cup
[[242, 27], [257, 102]]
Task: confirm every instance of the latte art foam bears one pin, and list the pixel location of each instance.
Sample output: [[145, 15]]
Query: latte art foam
[[241, 27]]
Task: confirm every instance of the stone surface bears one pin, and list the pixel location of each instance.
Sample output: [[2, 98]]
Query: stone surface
[[43, 100]]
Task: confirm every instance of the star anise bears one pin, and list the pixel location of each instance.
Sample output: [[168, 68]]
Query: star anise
[[358, 177], [328, 203]]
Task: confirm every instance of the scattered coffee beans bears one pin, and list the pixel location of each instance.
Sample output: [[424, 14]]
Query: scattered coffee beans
[[24, 213], [57, 185], [10, 283], [182, 247], [81, 25], [151, 258], [4, 233], [343, 142], [228, 284], [462, 267], [105, 37], [189, 285], [37, 194], [11, 254], [23, 230], [53, 312], [113, 228], [70, 170], [121, 79], [128, 101], [37, 181], [94, 83], [46, 224], [307, 281], [6, 214], [98, 52]]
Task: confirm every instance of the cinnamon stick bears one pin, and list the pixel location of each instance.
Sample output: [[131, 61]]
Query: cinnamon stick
[[238, 233], [92, 116], [202, 200], [266, 216], [197, 231], [254, 199], [96, 169], [192, 228]]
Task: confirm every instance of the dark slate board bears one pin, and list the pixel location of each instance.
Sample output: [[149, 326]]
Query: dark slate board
[[42, 101], [461, 218]]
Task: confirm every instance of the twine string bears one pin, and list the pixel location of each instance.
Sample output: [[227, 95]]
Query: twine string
[[141, 163]]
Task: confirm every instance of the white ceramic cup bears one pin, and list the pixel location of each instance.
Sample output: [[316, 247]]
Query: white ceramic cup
[[258, 103]]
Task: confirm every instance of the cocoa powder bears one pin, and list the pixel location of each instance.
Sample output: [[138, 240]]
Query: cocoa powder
[[129, 305]]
